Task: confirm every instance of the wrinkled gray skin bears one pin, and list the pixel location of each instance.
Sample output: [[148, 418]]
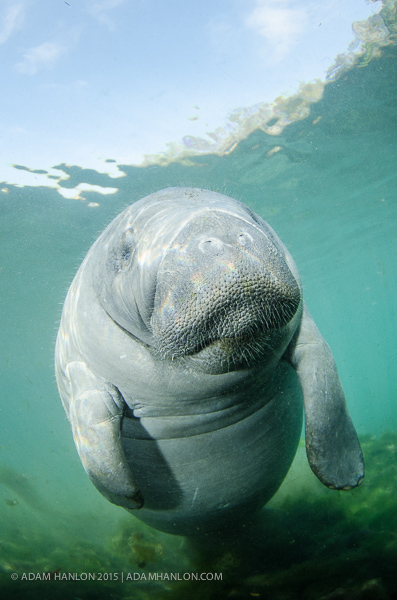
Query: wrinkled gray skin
[[182, 357]]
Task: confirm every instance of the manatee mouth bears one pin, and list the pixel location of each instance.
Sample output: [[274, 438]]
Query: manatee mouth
[[229, 322], [231, 354]]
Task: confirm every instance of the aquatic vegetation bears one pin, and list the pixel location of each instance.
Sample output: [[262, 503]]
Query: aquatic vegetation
[[313, 545]]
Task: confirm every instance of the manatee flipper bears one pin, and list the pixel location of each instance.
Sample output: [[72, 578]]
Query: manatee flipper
[[95, 412], [332, 445]]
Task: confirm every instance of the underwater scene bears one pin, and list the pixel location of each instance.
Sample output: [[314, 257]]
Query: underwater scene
[[320, 168]]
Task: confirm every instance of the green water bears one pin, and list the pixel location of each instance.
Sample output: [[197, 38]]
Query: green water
[[330, 193]]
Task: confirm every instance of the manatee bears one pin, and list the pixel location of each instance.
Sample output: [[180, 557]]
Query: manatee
[[184, 358]]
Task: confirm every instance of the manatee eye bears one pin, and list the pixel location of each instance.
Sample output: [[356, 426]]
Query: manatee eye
[[125, 252], [120, 256], [211, 246], [244, 239]]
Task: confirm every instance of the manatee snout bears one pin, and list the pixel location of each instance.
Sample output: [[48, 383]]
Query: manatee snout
[[236, 288]]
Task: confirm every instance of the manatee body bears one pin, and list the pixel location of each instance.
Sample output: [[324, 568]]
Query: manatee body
[[184, 355]]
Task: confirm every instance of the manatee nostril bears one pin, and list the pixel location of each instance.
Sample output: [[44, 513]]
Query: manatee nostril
[[244, 239], [211, 246]]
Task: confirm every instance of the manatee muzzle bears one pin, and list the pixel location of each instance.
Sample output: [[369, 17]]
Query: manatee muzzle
[[225, 294]]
